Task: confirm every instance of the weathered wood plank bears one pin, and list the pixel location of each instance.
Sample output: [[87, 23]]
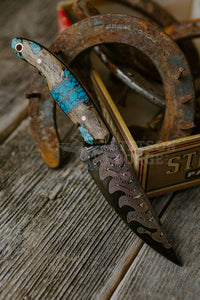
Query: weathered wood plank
[[34, 19], [152, 277], [52, 244], [59, 237], [159, 204]]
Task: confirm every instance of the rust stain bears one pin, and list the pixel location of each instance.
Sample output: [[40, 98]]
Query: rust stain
[[43, 123], [184, 30]]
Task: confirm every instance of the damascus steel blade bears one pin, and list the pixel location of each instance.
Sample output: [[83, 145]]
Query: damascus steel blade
[[119, 185]]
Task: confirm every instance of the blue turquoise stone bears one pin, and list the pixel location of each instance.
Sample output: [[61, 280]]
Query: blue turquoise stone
[[86, 136], [35, 47], [67, 73], [68, 93]]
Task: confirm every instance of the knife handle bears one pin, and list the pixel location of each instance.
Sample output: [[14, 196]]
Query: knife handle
[[66, 90]]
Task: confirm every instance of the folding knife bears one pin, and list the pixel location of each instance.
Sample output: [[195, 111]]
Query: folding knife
[[104, 156]]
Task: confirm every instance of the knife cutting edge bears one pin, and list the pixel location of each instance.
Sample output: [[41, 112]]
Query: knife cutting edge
[[106, 161]]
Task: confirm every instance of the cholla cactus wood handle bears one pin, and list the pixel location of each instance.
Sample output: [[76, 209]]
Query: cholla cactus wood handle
[[68, 93]]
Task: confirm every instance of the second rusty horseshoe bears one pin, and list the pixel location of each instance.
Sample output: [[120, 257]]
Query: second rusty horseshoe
[[165, 19], [131, 57], [142, 35], [184, 30]]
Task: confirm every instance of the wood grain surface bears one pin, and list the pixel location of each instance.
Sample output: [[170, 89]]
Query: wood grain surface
[[150, 277], [58, 235], [32, 19], [59, 239]]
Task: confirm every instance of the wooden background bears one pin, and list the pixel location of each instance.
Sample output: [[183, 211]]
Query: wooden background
[[59, 239]]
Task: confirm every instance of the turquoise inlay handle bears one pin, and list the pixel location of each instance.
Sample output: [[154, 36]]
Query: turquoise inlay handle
[[66, 90], [69, 93], [86, 136]]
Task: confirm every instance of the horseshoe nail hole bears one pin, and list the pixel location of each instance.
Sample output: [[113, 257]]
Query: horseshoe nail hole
[[19, 47], [151, 219]]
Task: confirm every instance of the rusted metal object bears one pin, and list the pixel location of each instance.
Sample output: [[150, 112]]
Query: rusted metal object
[[156, 122], [149, 8], [132, 79], [129, 76], [43, 122], [143, 36], [132, 57], [40, 139], [152, 10], [182, 33], [162, 17], [184, 30], [123, 55]]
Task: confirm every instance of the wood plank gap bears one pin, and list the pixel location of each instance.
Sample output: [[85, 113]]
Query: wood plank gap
[[12, 120], [153, 277], [160, 205], [121, 271]]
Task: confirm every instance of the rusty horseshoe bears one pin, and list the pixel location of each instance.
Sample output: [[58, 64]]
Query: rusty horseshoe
[[155, 13], [142, 35]]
